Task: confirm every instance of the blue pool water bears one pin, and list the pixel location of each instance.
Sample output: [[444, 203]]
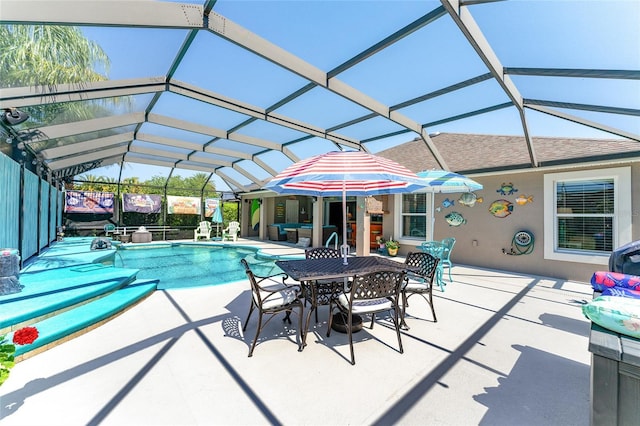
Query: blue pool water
[[181, 266]]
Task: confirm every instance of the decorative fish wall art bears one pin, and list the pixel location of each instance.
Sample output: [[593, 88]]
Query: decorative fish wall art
[[455, 219], [501, 208], [524, 199], [506, 189], [469, 199], [446, 203]]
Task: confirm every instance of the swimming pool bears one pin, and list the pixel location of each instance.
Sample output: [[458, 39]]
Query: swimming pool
[[190, 265]]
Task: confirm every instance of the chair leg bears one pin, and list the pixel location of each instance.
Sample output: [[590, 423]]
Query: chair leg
[[396, 323], [306, 327], [373, 317], [439, 279], [350, 332], [433, 311], [255, 339], [248, 316], [302, 332], [405, 303]]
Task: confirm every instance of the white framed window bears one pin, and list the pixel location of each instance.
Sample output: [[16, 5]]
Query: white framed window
[[413, 216], [587, 214]]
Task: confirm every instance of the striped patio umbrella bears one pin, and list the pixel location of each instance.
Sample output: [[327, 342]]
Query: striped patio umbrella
[[343, 173], [448, 182], [442, 181]]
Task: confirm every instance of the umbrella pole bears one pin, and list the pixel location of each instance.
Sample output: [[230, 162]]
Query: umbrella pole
[[433, 213], [345, 246]]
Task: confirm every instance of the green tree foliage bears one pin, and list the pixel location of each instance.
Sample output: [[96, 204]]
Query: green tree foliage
[[40, 55], [97, 183], [44, 55], [229, 212], [191, 186]]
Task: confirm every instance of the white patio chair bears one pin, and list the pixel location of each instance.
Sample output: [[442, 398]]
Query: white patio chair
[[231, 231], [202, 231]]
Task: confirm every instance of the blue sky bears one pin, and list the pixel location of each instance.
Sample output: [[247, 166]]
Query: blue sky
[[554, 34]]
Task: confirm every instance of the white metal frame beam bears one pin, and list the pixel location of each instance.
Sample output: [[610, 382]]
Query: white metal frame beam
[[233, 32], [86, 146], [470, 29]]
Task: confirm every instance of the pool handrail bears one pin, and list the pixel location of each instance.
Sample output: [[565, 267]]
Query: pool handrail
[[335, 245]]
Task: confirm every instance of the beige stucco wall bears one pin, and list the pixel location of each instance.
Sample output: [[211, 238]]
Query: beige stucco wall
[[493, 234]]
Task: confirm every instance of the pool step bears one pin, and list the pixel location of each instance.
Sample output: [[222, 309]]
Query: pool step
[[49, 293], [74, 322]]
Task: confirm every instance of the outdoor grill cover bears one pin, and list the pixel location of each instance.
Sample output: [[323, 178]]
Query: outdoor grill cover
[[626, 259]]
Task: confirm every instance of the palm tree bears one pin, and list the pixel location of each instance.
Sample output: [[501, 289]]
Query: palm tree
[[41, 55], [38, 55]]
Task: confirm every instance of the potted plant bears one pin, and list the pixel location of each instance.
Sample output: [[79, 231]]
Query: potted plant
[[392, 246]]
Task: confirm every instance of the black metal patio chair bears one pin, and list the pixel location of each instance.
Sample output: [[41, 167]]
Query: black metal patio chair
[[319, 292], [370, 294], [272, 299], [419, 280]]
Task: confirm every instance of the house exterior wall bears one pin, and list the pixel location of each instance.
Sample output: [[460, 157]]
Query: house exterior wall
[[494, 234]]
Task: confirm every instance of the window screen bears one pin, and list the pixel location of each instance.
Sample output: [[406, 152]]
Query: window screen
[[584, 213], [414, 215]]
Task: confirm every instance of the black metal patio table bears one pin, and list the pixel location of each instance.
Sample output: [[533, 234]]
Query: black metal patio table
[[323, 269], [308, 271]]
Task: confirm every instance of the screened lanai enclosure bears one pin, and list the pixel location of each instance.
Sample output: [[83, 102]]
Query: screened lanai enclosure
[[211, 99]]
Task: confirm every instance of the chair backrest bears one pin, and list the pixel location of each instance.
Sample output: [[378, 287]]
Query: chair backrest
[[376, 285], [322, 253], [448, 247], [234, 227], [425, 262], [204, 226], [435, 248], [252, 280]]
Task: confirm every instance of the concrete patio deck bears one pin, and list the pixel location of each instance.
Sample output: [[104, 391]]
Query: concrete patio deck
[[507, 349]]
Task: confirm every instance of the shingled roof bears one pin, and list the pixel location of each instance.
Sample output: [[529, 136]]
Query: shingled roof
[[472, 153]]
